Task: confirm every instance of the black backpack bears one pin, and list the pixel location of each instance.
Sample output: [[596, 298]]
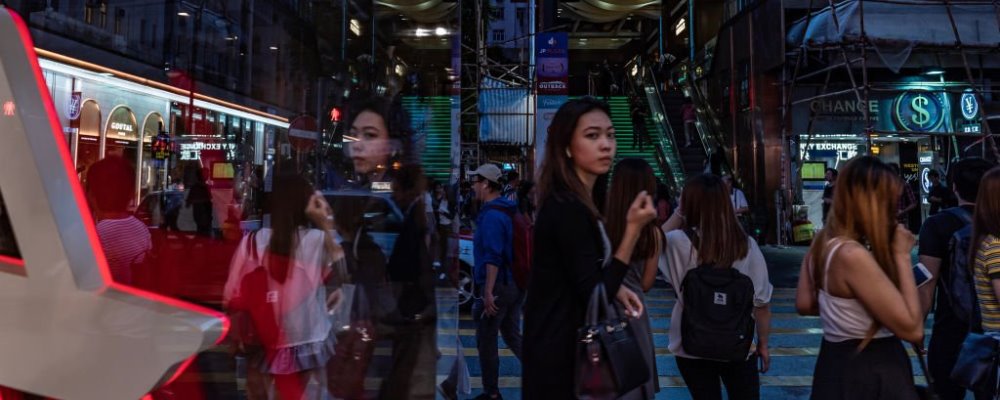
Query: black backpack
[[960, 287], [718, 319]]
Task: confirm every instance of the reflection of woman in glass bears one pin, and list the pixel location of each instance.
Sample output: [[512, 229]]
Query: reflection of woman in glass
[[382, 135], [382, 154], [277, 278]]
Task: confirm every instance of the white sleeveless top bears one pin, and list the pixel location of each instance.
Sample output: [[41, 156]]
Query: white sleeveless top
[[843, 319]]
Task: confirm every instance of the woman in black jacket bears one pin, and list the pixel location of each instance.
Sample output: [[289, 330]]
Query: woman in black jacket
[[571, 246]]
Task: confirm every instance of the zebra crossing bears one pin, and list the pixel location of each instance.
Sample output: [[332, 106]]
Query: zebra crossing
[[794, 345]]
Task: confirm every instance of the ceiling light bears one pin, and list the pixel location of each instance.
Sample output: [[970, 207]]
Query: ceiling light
[[934, 71], [356, 27], [274, 47], [183, 14]]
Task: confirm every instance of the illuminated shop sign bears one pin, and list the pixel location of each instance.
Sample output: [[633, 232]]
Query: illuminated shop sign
[[192, 150], [122, 127], [969, 105], [919, 111], [844, 150], [844, 109]]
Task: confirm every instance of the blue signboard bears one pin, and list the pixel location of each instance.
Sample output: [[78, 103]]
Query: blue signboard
[[552, 62], [969, 105]]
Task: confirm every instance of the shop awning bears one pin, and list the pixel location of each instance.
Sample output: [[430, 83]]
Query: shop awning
[[422, 11], [602, 11], [896, 29]]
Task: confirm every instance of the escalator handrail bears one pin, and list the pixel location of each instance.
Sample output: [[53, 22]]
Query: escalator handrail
[[677, 179], [712, 139], [667, 129]]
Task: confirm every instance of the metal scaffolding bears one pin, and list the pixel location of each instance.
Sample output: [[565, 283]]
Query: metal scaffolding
[[852, 54]]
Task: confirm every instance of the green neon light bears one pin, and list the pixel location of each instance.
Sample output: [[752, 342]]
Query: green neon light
[[431, 119]]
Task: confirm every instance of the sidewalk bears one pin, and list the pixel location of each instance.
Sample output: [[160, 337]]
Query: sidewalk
[[783, 264]]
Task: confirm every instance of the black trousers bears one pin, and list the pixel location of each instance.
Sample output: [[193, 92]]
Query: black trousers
[[507, 322], [702, 378]]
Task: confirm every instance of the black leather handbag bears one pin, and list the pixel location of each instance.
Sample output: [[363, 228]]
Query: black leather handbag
[[355, 348], [609, 361], [976, 368]]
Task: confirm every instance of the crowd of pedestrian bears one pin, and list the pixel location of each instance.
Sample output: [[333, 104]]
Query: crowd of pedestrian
[[575, 258], [562, 265]]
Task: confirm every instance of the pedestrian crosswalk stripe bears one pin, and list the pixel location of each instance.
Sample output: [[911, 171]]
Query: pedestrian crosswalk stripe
[[660, 351], [468, 317], [510, 382]]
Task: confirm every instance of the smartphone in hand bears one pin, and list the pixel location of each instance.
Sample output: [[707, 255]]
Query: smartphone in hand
[[921, 274]]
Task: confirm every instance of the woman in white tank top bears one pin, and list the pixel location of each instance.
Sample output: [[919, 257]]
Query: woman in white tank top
[[857, 277]]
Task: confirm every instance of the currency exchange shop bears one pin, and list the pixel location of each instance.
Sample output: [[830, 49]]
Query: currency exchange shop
[[911, 124]]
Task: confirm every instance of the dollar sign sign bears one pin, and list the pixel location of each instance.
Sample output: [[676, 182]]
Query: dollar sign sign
[[922, 116]]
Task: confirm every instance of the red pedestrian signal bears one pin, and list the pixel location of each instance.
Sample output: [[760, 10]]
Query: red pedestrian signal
[[335, 114]]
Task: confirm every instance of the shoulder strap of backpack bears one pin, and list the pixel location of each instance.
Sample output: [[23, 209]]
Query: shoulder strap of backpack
[[964, 215]]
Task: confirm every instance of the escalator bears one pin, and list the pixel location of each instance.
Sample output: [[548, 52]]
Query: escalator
[[710, 132], [660, 151], [627, 146]]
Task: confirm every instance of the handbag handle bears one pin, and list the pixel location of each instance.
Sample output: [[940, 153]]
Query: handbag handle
[[599, 301], [598, 297], [360, 309]]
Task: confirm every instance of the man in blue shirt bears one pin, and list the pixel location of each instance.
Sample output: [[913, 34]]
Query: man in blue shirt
[[498, 300]]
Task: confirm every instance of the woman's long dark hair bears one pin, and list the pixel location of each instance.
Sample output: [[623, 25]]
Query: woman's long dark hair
[[630, 176], [986, 220], [288, 213], [557, 174], [709, 212]]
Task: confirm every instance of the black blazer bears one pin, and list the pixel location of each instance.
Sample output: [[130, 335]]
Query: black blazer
[[567, 265]]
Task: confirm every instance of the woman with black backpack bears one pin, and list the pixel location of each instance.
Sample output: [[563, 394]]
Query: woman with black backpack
[[722, 284]]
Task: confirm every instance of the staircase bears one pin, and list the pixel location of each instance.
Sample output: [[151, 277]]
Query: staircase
[[627, 148]]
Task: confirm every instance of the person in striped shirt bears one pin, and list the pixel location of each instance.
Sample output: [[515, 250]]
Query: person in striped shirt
[[985, 260], [125, 240]]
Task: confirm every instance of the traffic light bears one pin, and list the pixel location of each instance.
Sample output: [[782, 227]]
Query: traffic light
[[335, 114]]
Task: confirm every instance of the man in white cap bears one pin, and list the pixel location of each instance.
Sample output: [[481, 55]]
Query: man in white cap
[[498, 300]]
